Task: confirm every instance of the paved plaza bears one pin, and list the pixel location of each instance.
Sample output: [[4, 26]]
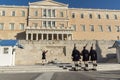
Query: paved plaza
[[59, 72]]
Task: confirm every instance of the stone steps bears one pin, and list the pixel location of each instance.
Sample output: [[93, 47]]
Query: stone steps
[[54, 68], [31, 69]]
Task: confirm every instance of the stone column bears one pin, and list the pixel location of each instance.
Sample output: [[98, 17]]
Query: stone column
[[41, 36], [67, 37], [62, 35], [26, 36], [57, 36], [52, 36], [47, 35], [37, 36], [31, 36]]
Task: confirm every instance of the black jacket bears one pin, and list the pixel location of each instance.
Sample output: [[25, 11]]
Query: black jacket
[[93, 55], [76, 55], [85, 54]]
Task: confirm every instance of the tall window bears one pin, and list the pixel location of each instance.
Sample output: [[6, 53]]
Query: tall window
[[53, 23], [49, 23], [22, 25], [83, 27], [44, 13], [13, 13], [73, 15], [3, 13], [11, 26], [90, 16], [99, 17], [53, 13], [109, 28], [92, 28], [1, 26], [107, 16], [82, 16], [49, 12], [115, 17], [23, 13], [61, 14], [74, 26], [117, 28], [100, 28], [36, 13], [44, 24]]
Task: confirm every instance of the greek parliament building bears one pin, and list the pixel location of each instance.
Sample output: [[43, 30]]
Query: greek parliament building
[[52, 25], [51, 20]]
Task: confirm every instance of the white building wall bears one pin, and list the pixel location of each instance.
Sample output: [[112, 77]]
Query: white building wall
[[6, 59]]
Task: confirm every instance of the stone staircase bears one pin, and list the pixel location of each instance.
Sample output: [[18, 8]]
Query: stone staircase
[[54, 68], [34, 68]]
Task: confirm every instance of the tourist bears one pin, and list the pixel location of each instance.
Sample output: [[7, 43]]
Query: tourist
[[44, 56]]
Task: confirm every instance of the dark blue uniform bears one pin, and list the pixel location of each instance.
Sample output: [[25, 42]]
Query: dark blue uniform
[[93, 55], [76, 55], [85, 54]]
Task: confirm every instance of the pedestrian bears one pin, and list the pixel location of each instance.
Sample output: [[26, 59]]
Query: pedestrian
[[75, 58], [44, 56], [93, 58], [85, 54]]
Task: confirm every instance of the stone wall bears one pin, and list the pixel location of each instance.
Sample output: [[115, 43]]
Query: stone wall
[[61, 50]]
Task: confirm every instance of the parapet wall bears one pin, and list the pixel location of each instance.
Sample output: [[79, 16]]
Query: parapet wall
[[61, 50]]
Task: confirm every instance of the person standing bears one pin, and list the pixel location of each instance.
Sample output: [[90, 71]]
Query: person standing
[[75, 57], [93, 58], [85, 54], [44, 56]]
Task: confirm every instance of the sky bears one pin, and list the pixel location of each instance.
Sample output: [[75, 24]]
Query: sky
[[94, 4]]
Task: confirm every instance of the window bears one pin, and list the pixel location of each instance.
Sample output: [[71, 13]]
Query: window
[[90, 16], [83, 27], [22, 26], [36, 13], [99, 17], [44, 24], [6, 50], [1, 26], [100, 28], [73, 15], [107, 16], [53, 13], [115, 17], [61, 14], [82, 16], [11, 26], [13, 13], [117, 28], [109, 28], [49, 23], [53, 23], [3, 13], [74, 26], [23, 13], [92, 28], [49, 12], [44, 13]]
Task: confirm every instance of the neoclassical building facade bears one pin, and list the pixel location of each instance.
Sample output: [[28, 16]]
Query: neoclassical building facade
[[51, 20]]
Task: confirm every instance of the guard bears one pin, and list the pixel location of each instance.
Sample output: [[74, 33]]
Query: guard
[[76, 57], [85, 54], [93, 57]]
